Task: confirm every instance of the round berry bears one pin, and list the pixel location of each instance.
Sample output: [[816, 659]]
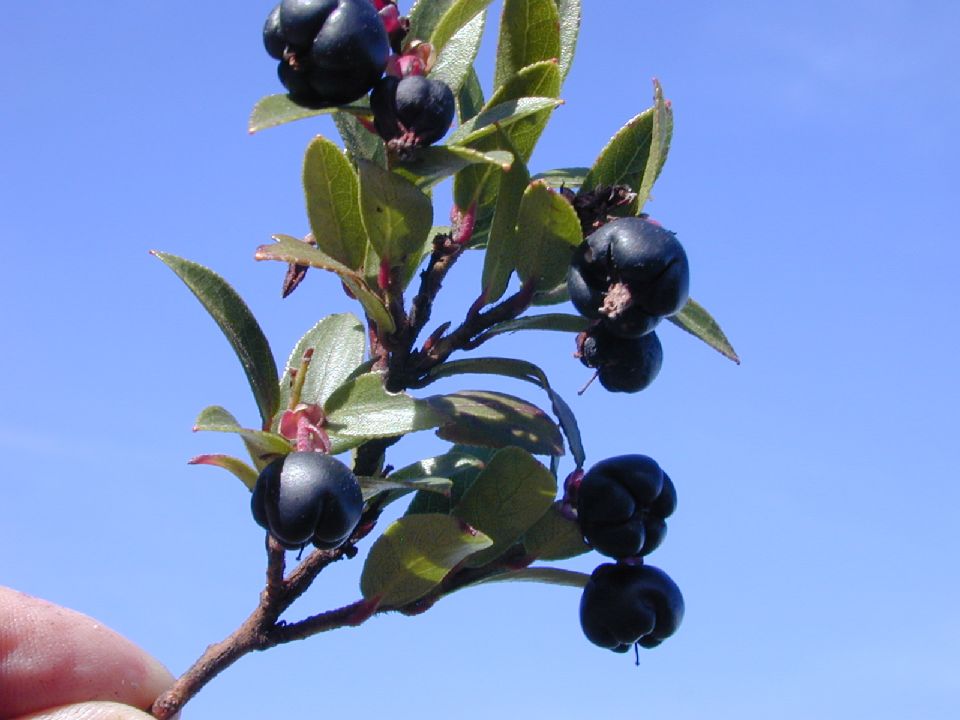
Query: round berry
[[273, 39], [418, 105], [622, 503], [307, 496], [301, 20], [623, 605], [623, 364]]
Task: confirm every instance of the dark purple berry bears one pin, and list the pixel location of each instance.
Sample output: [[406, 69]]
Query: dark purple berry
[[622, 503], [307, 496], [627, 604], [418, 109], [623, 364], [301, 20], [273, 39]]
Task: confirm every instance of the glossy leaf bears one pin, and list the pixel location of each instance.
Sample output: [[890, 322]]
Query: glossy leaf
[[430, 165], [554, 537], [239, 326], [506, 499], [263, 446], [462, 477], [373, 486], [548, 575], [529, 33], [457, 16], [492, 419], [502, 115], [548, 233], [455, 62], [274, 110], [560, 322], [290, 250], [396, 214], [661, 133], [359, 142], [569, 14], [338, 343], [414, 555], [449, 469], [361, 408], [695, 319], [330, 185], [500, 257], [236, 467], [563, 177]]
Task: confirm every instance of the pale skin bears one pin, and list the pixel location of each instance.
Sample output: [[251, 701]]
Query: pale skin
[[58, 664]]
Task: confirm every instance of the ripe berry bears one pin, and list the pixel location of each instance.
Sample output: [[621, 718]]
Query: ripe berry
[[626, 604], [623, 364], [307, 496], [273, 39], [622, 503], [630, 272], [417, 109], [301, 20]]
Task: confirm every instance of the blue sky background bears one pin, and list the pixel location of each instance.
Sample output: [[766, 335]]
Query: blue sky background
[[813, 181]]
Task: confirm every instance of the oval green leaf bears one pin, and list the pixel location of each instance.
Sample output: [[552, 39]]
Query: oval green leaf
[[548, 233], [529, 33], [695, 319]]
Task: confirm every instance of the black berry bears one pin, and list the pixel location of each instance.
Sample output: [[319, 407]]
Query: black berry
[[630, 272], [417, 109], [273, 39], [622, 503], [623, 364], [627, 604], [307, 496]]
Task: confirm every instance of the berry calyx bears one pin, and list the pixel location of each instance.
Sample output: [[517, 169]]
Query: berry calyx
[[307, 496], [622, 503], [412, 111], [623, 605]]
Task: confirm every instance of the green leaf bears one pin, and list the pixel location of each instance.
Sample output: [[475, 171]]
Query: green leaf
[[548, 233], [553, 296], [238, 325], [430, 165], [660, 133], [502, 115], [569, 13], [263, 446], [492, 419], [359, 142], [459, 467], [414, 555], [424, 17], [560, 322], [554, 537], [338, 344], [470, 98], [540, 79], [563, 177], [457, 16], [330, 186], [236, 467], [279, 109], [500, 258], [362, 409], [528, 372], [548, 575], [455, 62], [396, 214], [290, 250], [529, 33], [694, 318], [505, 500], [373, 486]]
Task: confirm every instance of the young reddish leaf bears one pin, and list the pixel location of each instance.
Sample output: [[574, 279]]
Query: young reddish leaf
[[263, 446]]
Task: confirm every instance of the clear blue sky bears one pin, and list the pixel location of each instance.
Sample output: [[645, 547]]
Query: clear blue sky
[[813, 181]]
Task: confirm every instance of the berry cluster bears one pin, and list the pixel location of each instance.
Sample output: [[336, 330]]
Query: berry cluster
[[627, 276], [622, 504], [333, 52], [307, 497]]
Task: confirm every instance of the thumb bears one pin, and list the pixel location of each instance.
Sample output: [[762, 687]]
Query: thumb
[[90, 711]]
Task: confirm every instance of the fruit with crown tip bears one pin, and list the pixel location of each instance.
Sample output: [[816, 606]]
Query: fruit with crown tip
[[623, 364], [415, 110]]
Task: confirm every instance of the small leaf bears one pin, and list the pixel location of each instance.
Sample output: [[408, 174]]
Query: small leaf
[[491, 419], [554, 537], [359, 142], [660, 134], [263, 446], [414, 555], [694, 318], [236, 467], [290, 250], [569, 13], [330, 186], [362, 409], [397, 216], [461, 469], [505, 500], [548, 575], [373, 486], [548, 233], [458, 15], [470, 98], [424, 17], [279, 109], [502, 115], [541, 79], [338, 344], [238, 325], [500, 258], [624, 159], [455, 62], [430, 165], [560, 322], [563, 177], [529, 33]]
